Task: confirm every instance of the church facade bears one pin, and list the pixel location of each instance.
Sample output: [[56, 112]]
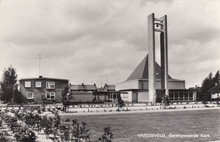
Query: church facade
[[135, 88]]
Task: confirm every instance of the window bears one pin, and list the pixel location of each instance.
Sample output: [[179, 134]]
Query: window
[[181, 95], [171, 95], [187, 96], [27, 84], [190, 96], [50, 85], [30, 95], [176, 96], [50, 95], [38, 84]]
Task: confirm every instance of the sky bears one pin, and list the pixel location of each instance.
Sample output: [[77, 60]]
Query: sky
[[102, 41]]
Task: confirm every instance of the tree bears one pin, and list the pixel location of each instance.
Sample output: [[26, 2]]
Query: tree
[[8, 84], [18, 97], [216, 78], [120, 102], [167, 101], [207, 84], [66, 97], [80, 131], [107, 136]]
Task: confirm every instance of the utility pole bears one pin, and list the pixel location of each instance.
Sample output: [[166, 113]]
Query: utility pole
[[39, 57]]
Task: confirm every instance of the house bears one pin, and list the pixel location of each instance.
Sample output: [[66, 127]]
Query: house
[[86, 93], [36, 90], [215, 92], [135, 88], [107, 93], [83, 93], [112, 93]]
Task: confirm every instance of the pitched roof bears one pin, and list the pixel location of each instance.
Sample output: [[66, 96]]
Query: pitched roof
[[43, 78], [83, 87], [215, 89], [141, 71], [109, 87]]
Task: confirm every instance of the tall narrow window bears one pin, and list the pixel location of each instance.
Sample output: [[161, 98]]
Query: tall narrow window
[[171, 95], [176, 96], [181, 96], [190, 96]]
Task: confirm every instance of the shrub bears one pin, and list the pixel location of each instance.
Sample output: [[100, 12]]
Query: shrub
[[107, 136]]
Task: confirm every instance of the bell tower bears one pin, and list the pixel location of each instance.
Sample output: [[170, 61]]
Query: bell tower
[[157, 25]]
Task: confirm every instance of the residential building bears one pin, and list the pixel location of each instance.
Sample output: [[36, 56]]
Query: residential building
[[112, 94], [38, 89], [85, 93], [107, 93]]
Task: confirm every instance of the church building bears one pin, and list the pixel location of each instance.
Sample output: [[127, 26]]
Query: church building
[[135, 88]]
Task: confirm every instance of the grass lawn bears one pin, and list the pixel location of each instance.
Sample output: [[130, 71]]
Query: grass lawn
[[126, 127]]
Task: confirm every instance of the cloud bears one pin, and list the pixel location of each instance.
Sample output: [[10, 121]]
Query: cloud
[[194, 20], [103, 41]]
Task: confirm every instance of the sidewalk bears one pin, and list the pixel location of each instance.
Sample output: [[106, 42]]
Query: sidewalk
[[138, 111]]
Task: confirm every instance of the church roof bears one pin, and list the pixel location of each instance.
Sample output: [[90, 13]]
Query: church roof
[[141, 71]]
